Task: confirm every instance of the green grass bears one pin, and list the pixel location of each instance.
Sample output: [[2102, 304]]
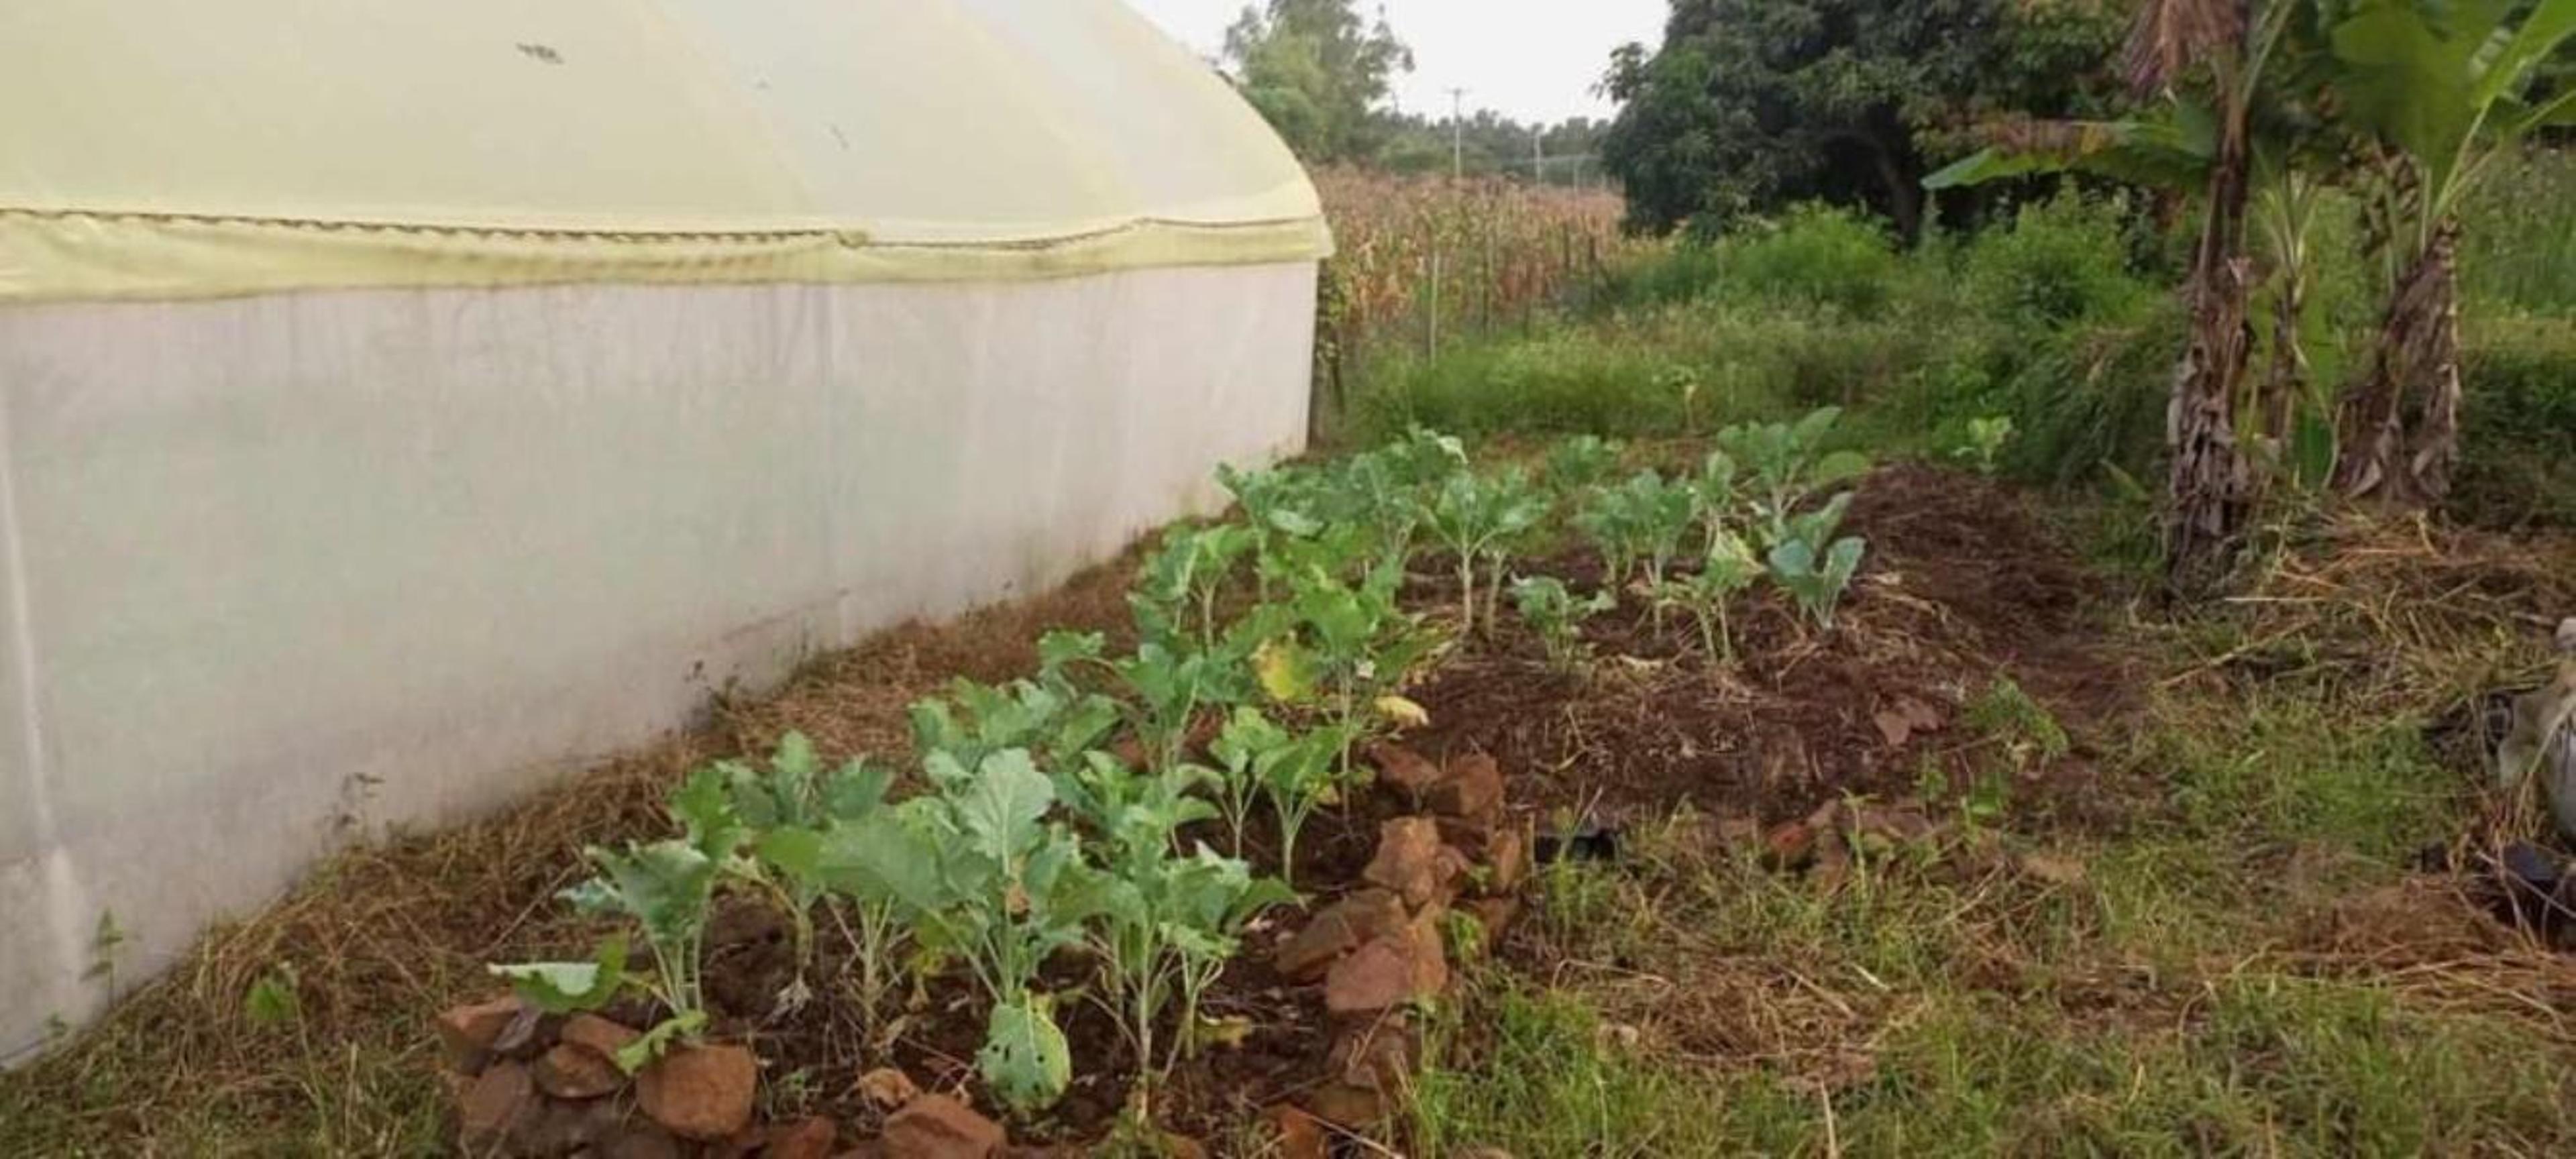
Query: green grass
[[2168, 1003], [2063, 319]]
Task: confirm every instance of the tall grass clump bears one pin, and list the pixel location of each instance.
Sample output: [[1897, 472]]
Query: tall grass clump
[[2518, 235], [2048, 319]]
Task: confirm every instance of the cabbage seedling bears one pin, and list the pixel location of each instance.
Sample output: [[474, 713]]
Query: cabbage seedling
[[1343, 647], [1477, 518], [1817, 583], [983, 875], [1580, 463], [1786, 466], [788, 802], [1728, 568], [1157, 912], [1050, 716], [1183, 579], [1984, 445], [1552, 611], [665, 888], [1277, 503]]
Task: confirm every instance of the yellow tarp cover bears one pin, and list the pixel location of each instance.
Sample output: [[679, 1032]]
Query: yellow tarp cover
[[180, 148]]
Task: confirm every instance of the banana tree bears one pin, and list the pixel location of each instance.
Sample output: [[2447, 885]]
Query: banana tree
[[2208, 61], [2435, 92]]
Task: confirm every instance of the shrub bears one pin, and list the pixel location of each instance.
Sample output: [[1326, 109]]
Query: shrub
[[1816, 255], [2518, 422], [2060, 262]]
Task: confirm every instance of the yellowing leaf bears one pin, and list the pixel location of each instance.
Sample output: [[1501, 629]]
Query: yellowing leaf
[[1225, 1033], [1285, 670], [1402, 711]]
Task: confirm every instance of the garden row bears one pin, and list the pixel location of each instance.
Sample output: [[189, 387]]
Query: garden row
[[1108, 829]]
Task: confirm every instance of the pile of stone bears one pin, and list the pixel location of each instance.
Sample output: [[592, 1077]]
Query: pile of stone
[[1381, 949], [532, 1084]]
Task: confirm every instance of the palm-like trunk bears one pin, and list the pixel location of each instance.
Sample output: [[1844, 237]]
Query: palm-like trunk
[[2401, 423], [2208, 488]]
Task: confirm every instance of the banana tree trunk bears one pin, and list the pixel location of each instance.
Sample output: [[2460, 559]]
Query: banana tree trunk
[[2401, 423], [2208, 489]]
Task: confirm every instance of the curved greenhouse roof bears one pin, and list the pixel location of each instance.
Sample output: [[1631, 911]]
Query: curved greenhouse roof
[[173, 148]]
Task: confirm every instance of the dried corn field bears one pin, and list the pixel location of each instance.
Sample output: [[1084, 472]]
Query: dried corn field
[[1421, 261]]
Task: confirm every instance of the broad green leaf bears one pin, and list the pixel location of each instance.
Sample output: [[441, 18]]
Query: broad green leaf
[[570, 987], [650, 1045], [795, 852], [1839, 466], [664, 886], [884, 859], [704, 806], [857, 790], [1001, 811]]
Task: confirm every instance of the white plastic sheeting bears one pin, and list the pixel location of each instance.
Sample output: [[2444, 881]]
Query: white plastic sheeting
[[163, 148], [281, 570]]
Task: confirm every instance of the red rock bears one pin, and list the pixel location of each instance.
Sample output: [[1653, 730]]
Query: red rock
[[468, 1033], [1506, 861], [1902, 826], [1789, 845], [888, 1088], [501, 1101], [1301, 1135], [567, 1071], [1390, 969], [598, 1034], [1402, 768], [1893, 727], [566, 1127], [640, 1141], [700, 1092], [1410, 861], [1381, 1055], [1338, 929], [1495, 915], [939, 1127], [1471, 789], [809, 1138], [1355, 1107]]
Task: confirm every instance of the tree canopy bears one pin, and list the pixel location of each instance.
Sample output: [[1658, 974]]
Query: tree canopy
[[1752, 104], [1317, 71]]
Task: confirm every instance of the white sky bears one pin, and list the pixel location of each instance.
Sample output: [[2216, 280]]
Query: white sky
[[1527, 59]]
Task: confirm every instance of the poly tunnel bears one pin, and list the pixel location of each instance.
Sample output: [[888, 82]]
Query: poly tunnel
[[404, 404]]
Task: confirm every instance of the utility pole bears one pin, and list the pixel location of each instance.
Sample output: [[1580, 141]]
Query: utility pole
[[1538, 155], [1457, 134]]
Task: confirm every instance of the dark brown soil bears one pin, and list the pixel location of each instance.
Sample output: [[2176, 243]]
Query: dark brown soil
[[1962, 585]]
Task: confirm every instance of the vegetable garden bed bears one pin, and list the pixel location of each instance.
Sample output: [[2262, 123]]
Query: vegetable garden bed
[[1073, 905]]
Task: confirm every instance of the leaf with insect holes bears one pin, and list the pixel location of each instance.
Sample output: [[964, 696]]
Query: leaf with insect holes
[[664, 886], [1025, 1059], [570, 987], [704, 807]]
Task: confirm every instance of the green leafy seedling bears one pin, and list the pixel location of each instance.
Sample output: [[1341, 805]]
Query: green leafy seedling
[[1554, 612]]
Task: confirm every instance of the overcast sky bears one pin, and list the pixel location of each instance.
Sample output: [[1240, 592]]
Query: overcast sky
[[1528, 59]]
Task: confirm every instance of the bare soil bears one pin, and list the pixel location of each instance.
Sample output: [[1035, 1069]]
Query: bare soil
[[1963, 585]]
